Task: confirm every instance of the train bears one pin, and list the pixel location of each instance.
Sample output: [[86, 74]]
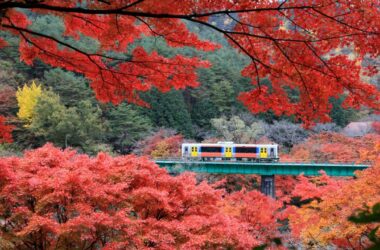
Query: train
[[230, 151]]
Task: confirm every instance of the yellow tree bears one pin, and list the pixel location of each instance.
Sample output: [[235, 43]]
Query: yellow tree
[[27, 97]]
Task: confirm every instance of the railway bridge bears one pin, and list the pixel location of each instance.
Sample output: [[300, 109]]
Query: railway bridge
[[267, 170]]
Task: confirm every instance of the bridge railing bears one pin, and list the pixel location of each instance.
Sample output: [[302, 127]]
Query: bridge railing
[[292, 161]]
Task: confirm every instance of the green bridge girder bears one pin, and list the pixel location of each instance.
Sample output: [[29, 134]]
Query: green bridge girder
[[272, 168]]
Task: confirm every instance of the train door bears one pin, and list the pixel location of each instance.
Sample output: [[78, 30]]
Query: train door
[[194, 151], [186, 151], [271, 154], [263, 153], [228, 152]]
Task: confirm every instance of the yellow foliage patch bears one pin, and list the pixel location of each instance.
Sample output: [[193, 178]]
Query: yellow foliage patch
[[27, 97]]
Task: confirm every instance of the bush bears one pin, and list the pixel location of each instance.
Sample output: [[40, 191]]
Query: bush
[[58, 199]]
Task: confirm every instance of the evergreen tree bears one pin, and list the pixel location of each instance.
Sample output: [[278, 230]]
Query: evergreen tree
[[222, 96], [340, 115], [126, 126], [169, 110], [70, 87], [75, 126]]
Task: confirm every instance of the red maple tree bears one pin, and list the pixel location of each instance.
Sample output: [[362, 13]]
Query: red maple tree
[[55, 199], [294, 43]]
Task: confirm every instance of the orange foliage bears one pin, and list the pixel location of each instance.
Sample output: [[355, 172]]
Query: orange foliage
[[324, 221], [284, 186], [163, 143], [251, 207], [333, 147], [168, 147]]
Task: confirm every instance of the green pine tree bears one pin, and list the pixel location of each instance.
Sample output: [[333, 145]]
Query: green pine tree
[[169, 110], [70, 87], [75, 126], [126, 126]]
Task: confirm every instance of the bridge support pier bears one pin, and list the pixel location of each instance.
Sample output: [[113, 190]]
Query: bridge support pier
[[267, 185]]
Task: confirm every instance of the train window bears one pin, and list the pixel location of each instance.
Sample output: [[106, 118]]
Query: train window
[[263, 150], [186, 149], [211, 149], [245, 150]]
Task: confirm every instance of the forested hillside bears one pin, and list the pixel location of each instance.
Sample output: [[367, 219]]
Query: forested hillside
[[67, 113]]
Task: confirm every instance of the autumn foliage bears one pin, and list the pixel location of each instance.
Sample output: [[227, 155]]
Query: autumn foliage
[[163, 143], [60, 199], [7, 100], [27, 98], [325, 147], [5, 130], [324, 221], [334, 147], [296, 44], [326, 203]]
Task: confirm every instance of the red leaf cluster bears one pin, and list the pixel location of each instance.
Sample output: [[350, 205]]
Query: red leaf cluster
[[163, 143], [61, 199], [296, 44], [3, 43], [5, 131]]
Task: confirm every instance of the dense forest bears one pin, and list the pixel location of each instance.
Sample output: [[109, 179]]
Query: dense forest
[[77, 141]]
